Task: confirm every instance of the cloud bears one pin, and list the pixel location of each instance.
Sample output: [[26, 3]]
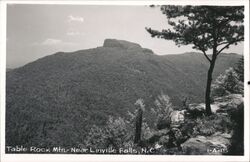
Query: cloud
[[74, 33], [51, 41], [54, 42], [72, 18]]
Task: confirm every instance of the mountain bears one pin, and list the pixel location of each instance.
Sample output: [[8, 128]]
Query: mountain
[[57, 99], [196, 66], [8, 69]]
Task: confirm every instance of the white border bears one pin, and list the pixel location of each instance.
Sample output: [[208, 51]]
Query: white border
[[2, 74], [122, 158]]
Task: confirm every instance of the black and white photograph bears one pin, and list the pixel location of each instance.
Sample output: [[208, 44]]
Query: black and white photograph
[[141, 80]]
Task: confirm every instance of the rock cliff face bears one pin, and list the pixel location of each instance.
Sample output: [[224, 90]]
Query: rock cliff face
[[120, 43], [125, 45]]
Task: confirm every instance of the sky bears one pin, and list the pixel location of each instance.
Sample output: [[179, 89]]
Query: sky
[[35, 31]]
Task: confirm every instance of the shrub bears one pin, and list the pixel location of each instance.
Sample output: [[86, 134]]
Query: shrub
[[239, 68], [162, 111], [227, 83], [96, 137], [115, 134], [207, 125], [210, 124]]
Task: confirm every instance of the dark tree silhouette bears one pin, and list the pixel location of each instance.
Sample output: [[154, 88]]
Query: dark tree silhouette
[[138, 121], [212, 28], [138, 127]]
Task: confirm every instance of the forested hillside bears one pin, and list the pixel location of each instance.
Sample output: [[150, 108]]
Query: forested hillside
[[57, 99]]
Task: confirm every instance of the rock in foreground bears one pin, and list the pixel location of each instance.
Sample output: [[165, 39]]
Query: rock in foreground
[[216, 144]]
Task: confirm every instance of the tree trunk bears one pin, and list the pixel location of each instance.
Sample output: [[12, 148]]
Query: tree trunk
[[138, 125], [208, 88]]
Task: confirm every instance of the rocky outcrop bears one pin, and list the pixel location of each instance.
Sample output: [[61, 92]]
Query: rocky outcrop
[[120, 43], [209, 135], [125, 45], [167, 138], [228, 102], [201, 107], [216, 144], [177, 117], [221, 104]]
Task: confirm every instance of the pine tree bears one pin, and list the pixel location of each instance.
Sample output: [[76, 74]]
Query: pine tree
[[213, 28]]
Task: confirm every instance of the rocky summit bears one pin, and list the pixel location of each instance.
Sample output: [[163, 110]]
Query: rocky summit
[[120, 43], [125, 45]]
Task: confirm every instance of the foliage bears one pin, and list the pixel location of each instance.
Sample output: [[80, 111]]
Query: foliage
[[120, 132], [96, 138], [162, 111], [212, 124], [203, 26], [139, 102], [116, 133], [228, 83], [207, 125], [239, 69]]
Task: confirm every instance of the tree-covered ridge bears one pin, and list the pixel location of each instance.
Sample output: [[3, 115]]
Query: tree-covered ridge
[[56, 100]]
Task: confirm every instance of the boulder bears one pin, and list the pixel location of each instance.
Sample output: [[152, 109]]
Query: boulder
[[216, 144], [199, 109], [196, 110], [220, 105], [177, 117], [194, 146], [196, 106], [229, 101]]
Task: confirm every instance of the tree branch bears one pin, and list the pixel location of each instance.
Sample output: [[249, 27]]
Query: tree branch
[[206, 56], [221, 43], [229, 43], [203, 51], [226, 46]]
